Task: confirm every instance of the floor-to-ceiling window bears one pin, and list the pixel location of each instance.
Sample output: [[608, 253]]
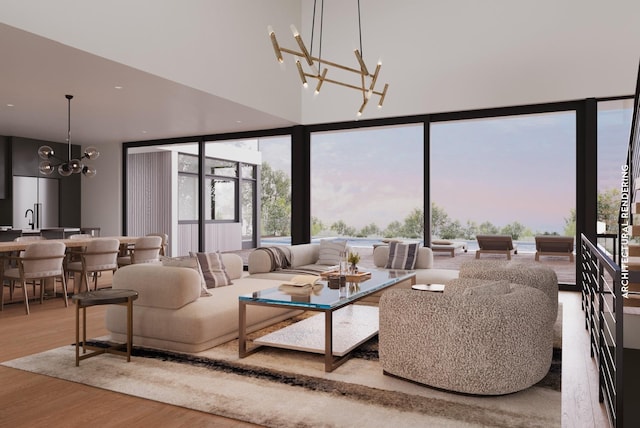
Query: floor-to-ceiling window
[[368, 183], [511, 175], [246, 192], [265, 193], [614, 127]]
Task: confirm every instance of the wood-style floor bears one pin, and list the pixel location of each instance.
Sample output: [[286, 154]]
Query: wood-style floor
[[33, 400]]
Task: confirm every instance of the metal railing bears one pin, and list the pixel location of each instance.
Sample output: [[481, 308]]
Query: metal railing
[[601, 285]]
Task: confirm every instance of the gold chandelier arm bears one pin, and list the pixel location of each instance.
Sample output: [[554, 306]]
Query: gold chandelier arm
[[276, 47], [324, 61], [346, 85], [363, 66]]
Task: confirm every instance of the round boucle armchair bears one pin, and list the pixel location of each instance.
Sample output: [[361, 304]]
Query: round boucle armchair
[[479, 337], [531, 274]]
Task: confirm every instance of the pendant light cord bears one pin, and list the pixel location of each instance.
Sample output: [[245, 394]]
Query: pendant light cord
[[313, 30], [360, 30], [69, 125]]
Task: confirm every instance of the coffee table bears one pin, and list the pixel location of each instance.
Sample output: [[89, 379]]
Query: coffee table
[[351, 325]]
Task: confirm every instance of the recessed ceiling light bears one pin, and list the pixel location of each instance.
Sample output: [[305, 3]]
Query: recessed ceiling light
[[238, 121], [10, 105], [144, 132], [118, 87]]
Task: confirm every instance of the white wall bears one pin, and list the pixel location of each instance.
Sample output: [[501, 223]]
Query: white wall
[[437, 56], [218, 46], [101, 195], [440, 56]]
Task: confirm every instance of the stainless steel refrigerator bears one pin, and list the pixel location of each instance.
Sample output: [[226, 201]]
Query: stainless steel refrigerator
[[35, 200]]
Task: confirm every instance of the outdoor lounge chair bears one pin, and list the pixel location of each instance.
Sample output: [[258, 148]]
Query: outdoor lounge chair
[[552, 245], [448, 246], [496, 244]]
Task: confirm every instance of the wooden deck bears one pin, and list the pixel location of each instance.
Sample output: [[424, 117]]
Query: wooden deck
[[565, 269]]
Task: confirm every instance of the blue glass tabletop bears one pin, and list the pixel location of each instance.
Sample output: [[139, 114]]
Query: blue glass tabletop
[[323, 296]]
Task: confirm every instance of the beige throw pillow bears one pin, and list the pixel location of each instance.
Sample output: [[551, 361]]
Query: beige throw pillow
[[187, 262]]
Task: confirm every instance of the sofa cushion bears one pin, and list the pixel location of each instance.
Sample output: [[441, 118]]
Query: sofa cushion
[[330, 251], [402, 256], [159, 286], [213, 270], [441, 242], [189, 262]]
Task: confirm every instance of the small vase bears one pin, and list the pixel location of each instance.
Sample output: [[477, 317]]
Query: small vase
[[353, 268]]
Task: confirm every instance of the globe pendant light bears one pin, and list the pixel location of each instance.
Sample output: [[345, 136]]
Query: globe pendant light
[[70, 166]]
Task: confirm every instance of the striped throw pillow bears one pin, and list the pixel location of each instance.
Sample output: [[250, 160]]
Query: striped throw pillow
[[402, 256], [213, 270]]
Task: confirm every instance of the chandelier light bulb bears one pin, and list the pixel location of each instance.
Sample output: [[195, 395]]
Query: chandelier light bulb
[[46, 168], [75, 166], [45, 152], [91, 153], [89, 171], [65, 170]]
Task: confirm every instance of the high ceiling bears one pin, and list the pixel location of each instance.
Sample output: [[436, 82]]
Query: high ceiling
[[112, 102]]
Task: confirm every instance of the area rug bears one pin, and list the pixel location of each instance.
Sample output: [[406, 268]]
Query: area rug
[[281, 388]]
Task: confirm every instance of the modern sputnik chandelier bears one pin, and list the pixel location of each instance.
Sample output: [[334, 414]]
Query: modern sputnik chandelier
[[69, 166], [318, 68]]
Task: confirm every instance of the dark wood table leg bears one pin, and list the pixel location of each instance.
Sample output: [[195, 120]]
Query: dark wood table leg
[[129, 326], [242, 330], [77, 335], [328, 341]]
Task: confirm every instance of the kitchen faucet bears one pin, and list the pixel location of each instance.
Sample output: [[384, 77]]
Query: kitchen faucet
[[25, 216]]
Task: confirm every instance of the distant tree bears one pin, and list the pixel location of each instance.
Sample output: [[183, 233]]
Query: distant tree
[[316, 226], [570, 223], [339, 227], [393, 230], [369, 230], [487, 228], [609, 208], [275, 200], [439, 219], [350, 231], [452, 230], [470, 230], [514, 229], [414, 224]]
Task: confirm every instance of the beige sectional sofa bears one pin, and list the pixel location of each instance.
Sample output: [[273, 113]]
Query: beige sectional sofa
[[304, 258], [170, 314]]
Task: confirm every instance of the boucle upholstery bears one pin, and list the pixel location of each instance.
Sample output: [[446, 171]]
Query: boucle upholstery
[[534, 275], [487, 344], [170, 314]]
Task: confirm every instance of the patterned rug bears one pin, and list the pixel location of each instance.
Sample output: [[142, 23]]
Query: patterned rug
[[282, 388]]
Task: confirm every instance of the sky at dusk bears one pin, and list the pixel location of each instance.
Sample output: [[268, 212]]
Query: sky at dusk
[[499, 170]]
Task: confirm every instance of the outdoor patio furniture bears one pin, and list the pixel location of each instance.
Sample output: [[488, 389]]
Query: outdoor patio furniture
[[552, 245], [448, 246], [495, 244]]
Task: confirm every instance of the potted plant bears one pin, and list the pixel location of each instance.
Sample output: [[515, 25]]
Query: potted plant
[[353, 259]]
